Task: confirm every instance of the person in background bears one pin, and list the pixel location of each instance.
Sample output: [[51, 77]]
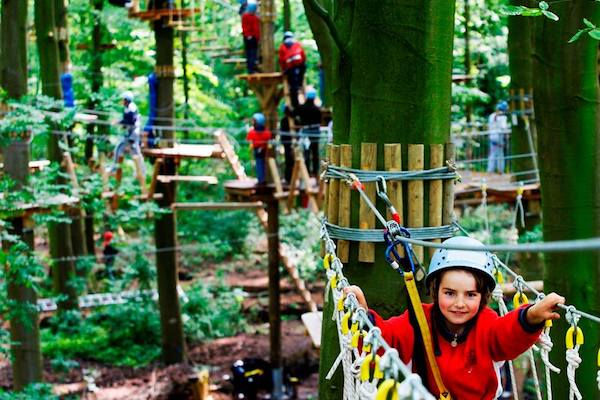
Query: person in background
[[292, 61], [258, 138], [286, 135], [309, 117], [109, 253], [251, 33], [131, 123], [498, 130]]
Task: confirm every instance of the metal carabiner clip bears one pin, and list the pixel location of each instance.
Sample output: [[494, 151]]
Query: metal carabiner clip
[[381, 188]]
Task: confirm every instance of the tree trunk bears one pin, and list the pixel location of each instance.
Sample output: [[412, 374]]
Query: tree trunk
[[63, 270], [186, 80], [165, 227], [566, 105], [287, 16], [520, 53], [467, 60], [24, 331], [375, 47]]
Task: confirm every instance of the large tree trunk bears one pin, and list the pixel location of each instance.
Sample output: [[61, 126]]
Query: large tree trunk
[[520, 57], [165, 227], [59, 234], [389, 64], [24, 331], [287, 16], [566, 105]]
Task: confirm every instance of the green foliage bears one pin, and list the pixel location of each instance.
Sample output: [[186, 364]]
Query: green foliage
[[543, 9], [213, 311], [592, 30], [37, 391], [300, 230], [500, 218]]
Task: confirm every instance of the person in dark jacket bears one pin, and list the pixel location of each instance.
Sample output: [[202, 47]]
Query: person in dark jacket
[[286, 135], [309, 118]]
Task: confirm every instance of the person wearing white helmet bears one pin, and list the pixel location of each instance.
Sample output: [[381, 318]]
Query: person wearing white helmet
[[131, 123], [498, 131], [470, 340]]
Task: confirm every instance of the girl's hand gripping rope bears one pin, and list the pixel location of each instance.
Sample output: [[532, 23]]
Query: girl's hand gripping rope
[[544, 309], [360, 296]]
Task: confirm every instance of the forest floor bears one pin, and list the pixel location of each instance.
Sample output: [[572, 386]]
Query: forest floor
[[93, 380]]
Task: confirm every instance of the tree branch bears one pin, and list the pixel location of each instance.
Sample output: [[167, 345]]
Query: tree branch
[[324, 15]]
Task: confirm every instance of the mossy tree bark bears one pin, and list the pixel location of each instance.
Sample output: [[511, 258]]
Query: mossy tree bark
[[520, 57], [63, 270], [388, 68], [567, 102], [165, 227], [24, 331], [287, 16]]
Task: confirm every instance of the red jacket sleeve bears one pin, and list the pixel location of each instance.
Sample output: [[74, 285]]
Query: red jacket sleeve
[[398, 333], [509, 336]]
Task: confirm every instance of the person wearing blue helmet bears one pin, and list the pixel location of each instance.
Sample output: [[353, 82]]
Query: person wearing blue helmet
[[309, 118], [251, 34], [292, 62], [258, 137], [498, 136]]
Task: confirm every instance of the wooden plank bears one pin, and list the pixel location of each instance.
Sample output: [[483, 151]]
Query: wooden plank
[[368, 162], [157, 164], [231, 155], [436, 160], [216, 206], [392, 155], [187, 151], [312, 322], [324, 186], [343, 246], [139, 172], [276, 178], [293, 183], [70, 167], [415, 192], [210, 180], [334, 186], [312, 202], [448, 201]]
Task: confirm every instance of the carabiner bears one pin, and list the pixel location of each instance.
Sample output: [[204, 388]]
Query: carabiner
[[382, 194]]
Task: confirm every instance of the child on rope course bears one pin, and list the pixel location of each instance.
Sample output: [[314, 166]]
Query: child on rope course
[[259, 138], [292, 61], [310, 120], [131, 124], [470, 341], [251, 33]]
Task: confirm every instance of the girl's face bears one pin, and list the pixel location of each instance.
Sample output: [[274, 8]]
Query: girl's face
[[458, 297]]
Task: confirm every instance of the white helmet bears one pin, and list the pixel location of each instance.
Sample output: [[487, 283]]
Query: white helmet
[[474, 260], [127, 96]]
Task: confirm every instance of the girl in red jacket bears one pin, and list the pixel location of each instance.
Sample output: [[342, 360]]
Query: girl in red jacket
[[470, 341]]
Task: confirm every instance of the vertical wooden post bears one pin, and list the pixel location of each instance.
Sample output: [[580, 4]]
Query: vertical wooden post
[[436, 160], [368, 162], [344, 203], [293, 184], [392, 154], [274, 293], [334, 186], [139, 172], [448, 203], [415, 192]]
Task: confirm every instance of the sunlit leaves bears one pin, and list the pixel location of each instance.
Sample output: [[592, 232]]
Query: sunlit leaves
[[590, 29], [543, 9]]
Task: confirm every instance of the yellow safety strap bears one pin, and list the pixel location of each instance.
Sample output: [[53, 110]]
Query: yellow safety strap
[[415, 300]]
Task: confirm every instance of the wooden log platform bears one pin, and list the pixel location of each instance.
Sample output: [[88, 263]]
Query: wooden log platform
[[501, 188], [174, 13], [217, 206], [155, 196], [262, 77], [209, 180], [247, 189], [186, 151], [35, 165], [19, 209]]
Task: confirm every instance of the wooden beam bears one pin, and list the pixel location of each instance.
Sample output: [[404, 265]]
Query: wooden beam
[[210, 180], [217, 206]]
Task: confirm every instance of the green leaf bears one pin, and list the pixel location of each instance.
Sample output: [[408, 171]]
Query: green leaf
[[595, 33], [550, 15], [531, 12], [588, 23], [543, 6], [511, 10], [578, 34]]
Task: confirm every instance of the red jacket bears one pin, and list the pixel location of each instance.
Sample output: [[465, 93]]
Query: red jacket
[[259, 139], [470, 370], [292, 56], [250, 25]]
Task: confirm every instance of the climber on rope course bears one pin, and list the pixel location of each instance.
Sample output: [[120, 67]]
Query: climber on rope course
[[131, 123], [458, 336], [292, 61], [258, 137], [251, 34]]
